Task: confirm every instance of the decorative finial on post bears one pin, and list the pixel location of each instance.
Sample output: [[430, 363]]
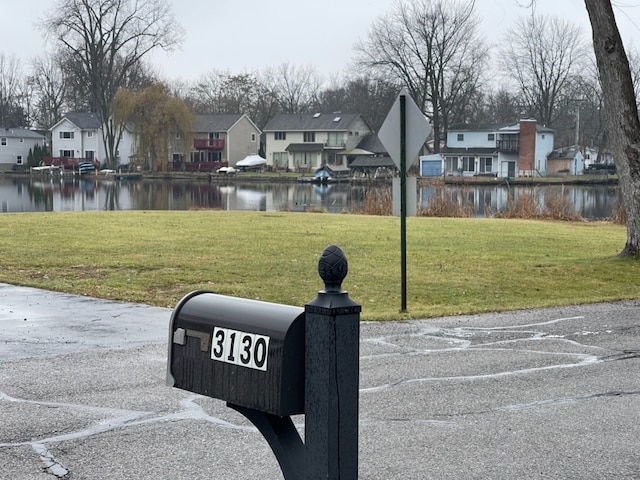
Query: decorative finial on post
[[333, 268]]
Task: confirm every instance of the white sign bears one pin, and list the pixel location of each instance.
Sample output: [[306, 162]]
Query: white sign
[[240, 348], [417, 130], [411, 192]]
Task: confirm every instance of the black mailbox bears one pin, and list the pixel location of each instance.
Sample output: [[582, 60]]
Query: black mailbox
[[246, 352]]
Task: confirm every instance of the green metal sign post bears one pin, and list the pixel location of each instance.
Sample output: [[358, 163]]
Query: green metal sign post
[[403, 133], [403, 203]]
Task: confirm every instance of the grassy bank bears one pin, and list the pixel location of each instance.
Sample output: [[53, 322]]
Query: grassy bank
[[455, 266]]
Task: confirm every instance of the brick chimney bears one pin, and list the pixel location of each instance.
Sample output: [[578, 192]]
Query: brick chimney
[[527, 155]]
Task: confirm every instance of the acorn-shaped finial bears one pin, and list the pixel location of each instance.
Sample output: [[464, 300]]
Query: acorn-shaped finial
[[333, 268]]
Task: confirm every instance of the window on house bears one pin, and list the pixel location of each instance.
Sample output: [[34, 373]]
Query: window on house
[[486, 164], [253, 137], [66, 153], [280, 136], [309, 136], [89, 154], [451, 164], [301, 159], [468, 164], [280, 159], [90, 134], [304, 159], [19, 160], [461, 137], [66, 135], [214, 136], [3, 141], [336, 139], [491, 137]]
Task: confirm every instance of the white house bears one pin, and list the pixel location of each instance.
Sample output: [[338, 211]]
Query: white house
[[308, 141], [515, 150], [126, 146], [78, 136], [15, 144]]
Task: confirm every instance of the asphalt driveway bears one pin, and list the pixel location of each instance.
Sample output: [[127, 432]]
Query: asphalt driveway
[[548, 394]]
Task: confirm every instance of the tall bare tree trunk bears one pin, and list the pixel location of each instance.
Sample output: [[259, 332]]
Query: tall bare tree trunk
[[621, 110]]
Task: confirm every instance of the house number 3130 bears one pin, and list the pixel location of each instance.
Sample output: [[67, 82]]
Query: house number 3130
[[240, 348]]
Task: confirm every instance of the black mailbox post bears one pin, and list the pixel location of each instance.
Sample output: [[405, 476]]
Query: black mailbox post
[[271, 361]]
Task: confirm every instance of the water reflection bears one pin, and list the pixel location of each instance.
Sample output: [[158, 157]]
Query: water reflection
[[595, 202], [26, 194]]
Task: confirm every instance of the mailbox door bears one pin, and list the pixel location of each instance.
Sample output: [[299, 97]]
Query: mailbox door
[[245, 352]]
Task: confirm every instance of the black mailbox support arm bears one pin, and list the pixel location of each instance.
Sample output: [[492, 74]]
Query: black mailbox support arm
[[283, 438]]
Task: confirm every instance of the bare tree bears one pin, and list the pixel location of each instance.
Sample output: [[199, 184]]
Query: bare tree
[[294, 88], [12, 111], [220, 91], [502, 106], [587, 112], [434, 48], [223, 92], [370, 97], [634, 64], [544, 56], [245, 93], [621, 113], [108, 40], [49, 86], [206, 92]]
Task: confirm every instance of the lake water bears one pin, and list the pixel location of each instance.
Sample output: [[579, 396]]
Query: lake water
[[56, 194]]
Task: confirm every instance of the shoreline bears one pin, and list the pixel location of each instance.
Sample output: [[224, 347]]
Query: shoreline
[[586, 180]]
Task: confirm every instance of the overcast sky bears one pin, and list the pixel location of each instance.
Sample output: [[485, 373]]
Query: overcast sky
[[248, 35]]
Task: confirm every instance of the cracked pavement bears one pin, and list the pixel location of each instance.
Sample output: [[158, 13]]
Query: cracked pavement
[[552, 393]]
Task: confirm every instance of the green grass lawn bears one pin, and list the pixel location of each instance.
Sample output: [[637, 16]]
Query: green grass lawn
[[455, 266]]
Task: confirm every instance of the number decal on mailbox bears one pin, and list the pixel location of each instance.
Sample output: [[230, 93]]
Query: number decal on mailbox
[[240, 348]]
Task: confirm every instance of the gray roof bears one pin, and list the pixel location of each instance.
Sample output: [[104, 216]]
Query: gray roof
[[495, 128], [372, 143], [84, 121], [216, 123], [564, 153], [314, 122], [305, 147], [19, 133], [468, 151], [479, 127], [336, 169], [372, 162]]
